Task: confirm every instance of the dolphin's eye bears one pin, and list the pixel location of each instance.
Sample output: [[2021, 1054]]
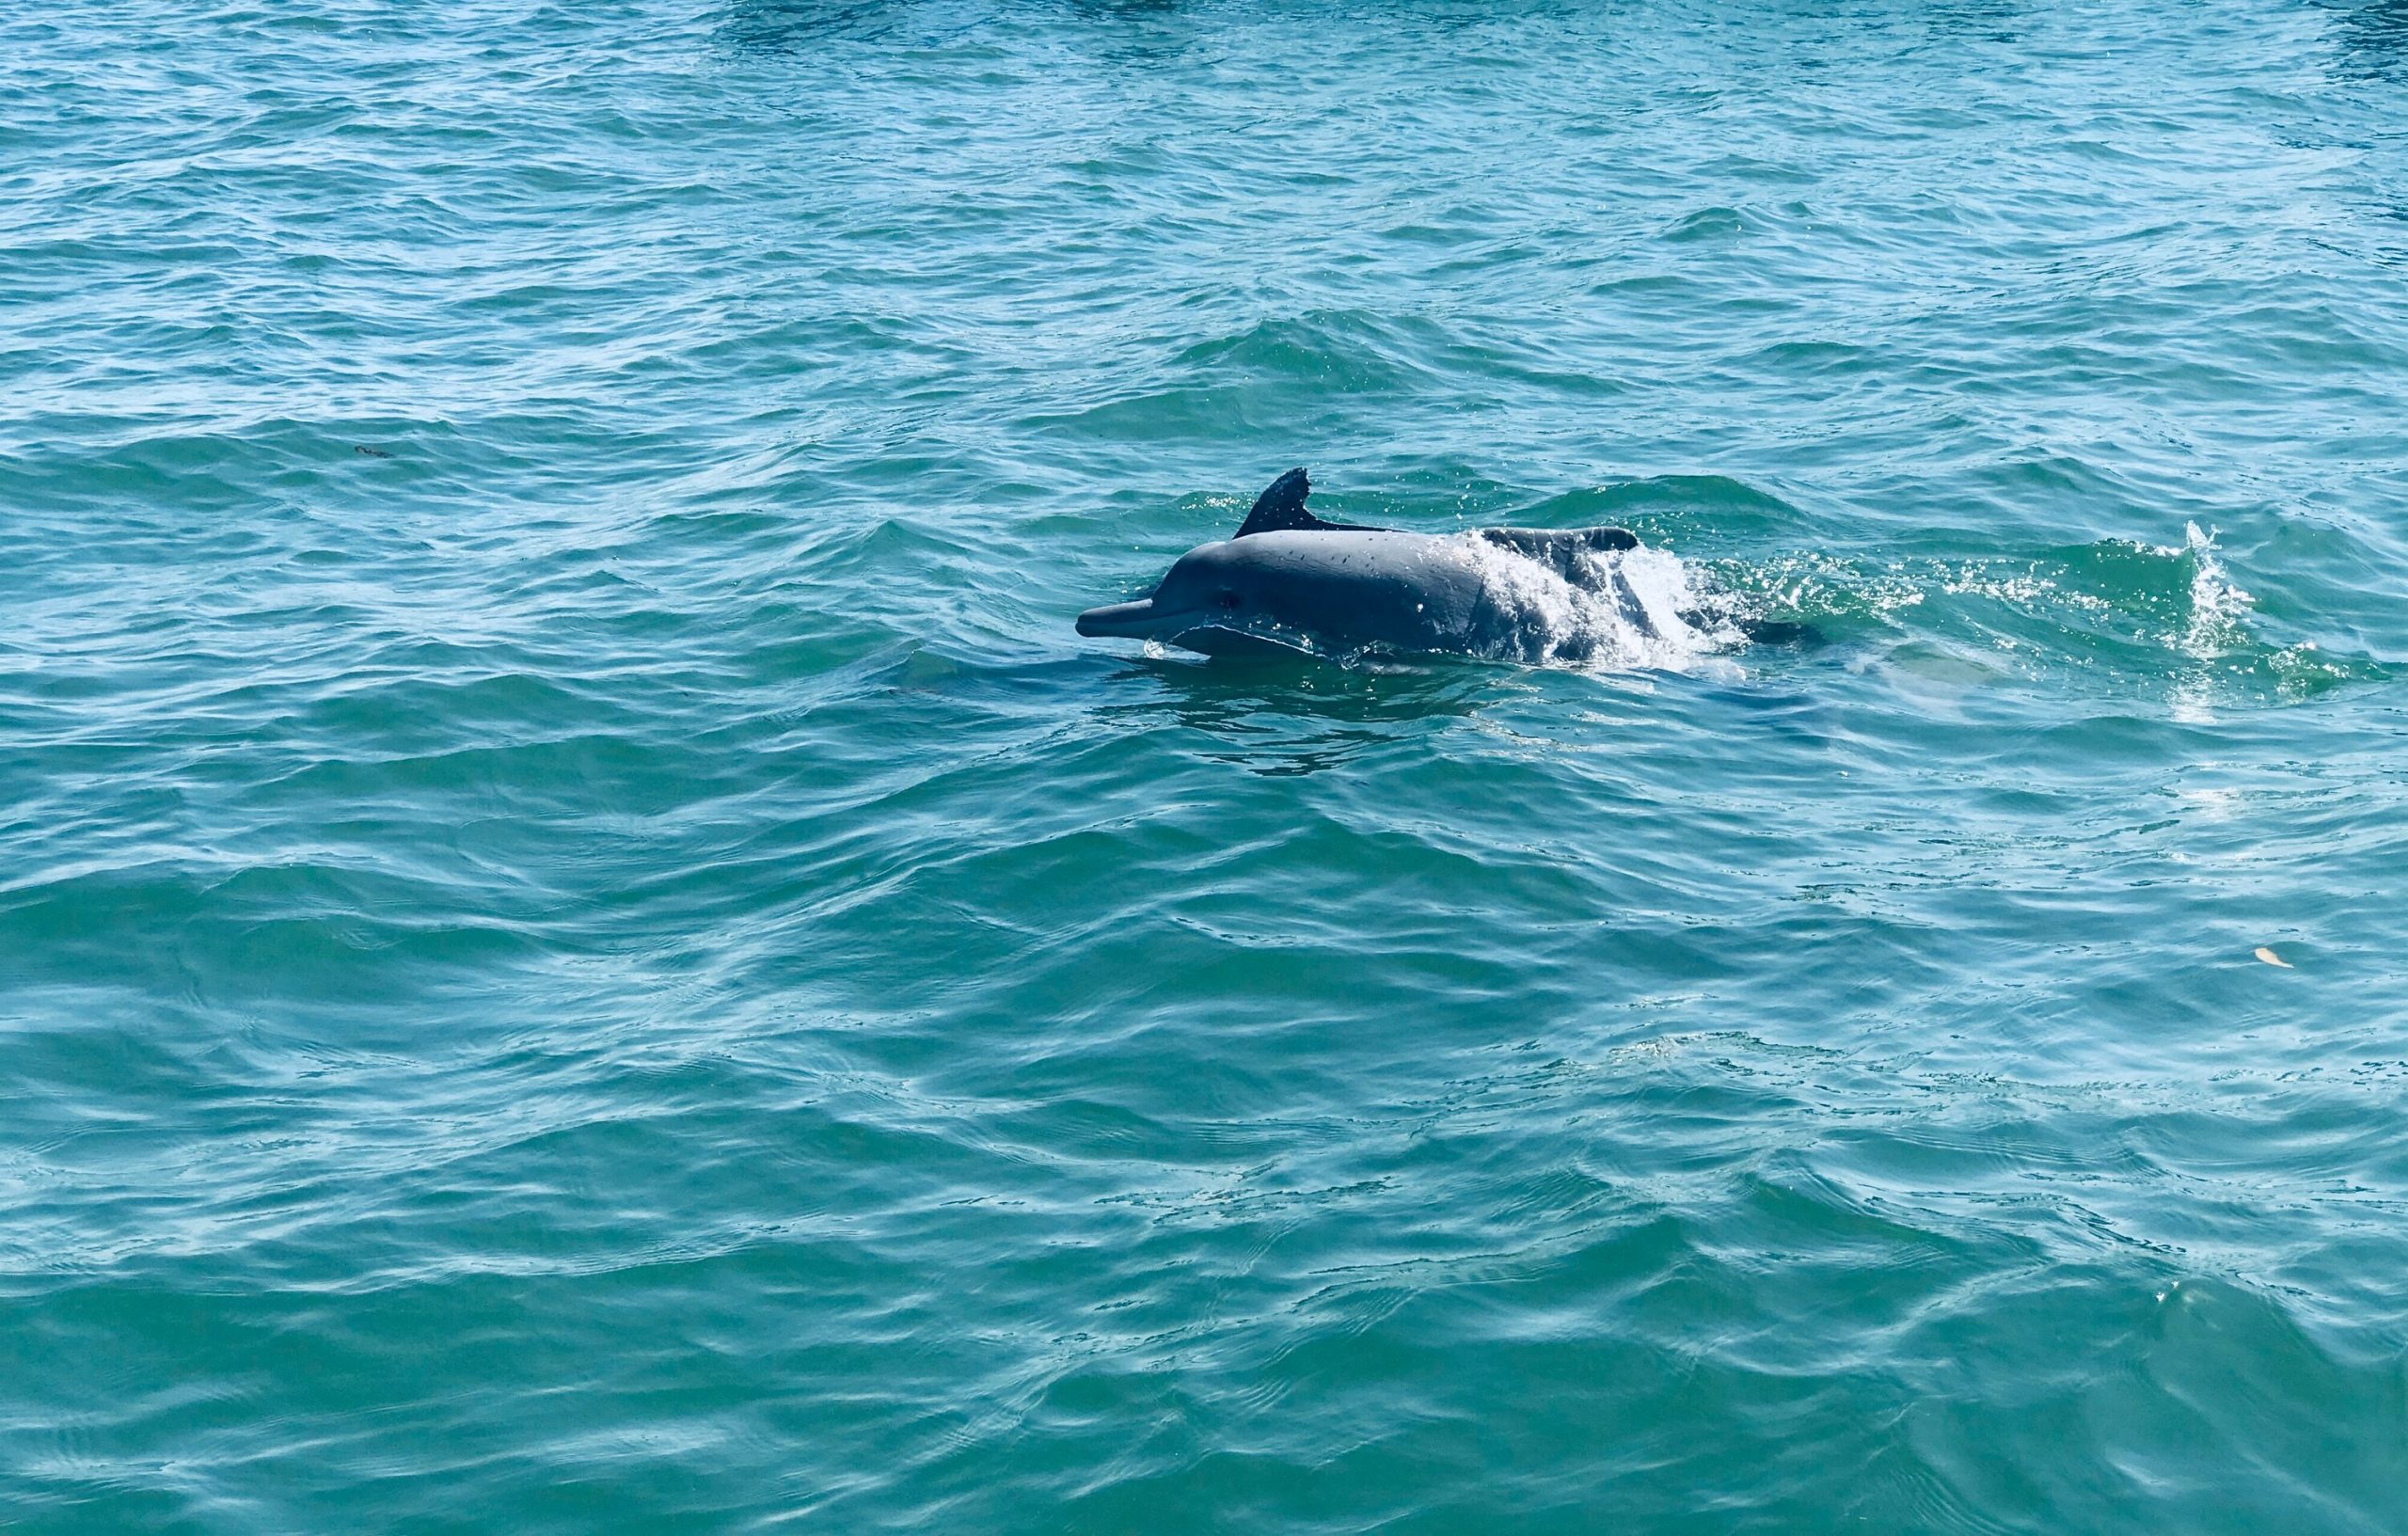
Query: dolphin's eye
[[1227, 599]]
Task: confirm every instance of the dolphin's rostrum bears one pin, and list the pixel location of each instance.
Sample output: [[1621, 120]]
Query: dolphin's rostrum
[[1290, 581]]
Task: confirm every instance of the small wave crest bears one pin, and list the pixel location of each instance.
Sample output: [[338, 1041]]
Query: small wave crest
[[1610, 610]]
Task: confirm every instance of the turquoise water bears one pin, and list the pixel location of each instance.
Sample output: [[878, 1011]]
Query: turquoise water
[[582, 946]]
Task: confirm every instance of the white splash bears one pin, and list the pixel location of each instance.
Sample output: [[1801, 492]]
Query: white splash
[[1621, 610], [2214, 627], [2216, 603]]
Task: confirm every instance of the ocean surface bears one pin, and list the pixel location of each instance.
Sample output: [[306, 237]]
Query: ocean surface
[[583, 947]]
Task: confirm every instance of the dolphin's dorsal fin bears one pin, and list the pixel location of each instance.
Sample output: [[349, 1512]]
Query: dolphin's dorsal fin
[[1281, 509]]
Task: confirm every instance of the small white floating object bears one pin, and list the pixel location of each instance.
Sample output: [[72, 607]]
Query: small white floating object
[[2272, 958]]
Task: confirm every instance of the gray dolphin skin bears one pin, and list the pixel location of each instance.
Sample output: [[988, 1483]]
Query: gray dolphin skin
[[1288, 582]]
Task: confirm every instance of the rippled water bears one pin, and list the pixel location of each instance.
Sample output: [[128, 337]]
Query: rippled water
[[582, 945]]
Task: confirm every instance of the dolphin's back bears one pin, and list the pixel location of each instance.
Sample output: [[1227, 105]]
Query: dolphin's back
[[1416, 591], [1412, 591]]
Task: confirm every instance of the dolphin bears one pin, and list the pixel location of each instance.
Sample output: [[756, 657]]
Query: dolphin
[[1288, 582]]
